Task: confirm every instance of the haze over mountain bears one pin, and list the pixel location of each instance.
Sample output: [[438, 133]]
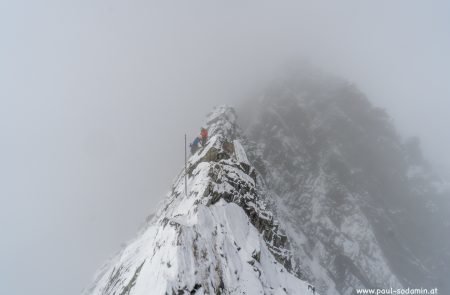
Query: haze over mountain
[[320, 189], [362, 203], [94, 94]]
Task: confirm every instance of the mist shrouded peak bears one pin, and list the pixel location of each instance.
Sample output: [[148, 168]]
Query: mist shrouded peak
[[317, 186], [357, 197]]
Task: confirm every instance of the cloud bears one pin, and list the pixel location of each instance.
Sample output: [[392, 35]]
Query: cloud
[[97, 95]]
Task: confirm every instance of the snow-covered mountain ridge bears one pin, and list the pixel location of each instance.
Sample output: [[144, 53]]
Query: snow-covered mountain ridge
[[321, 189], [220, 238]]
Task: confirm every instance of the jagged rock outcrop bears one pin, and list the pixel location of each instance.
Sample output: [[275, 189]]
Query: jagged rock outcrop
[[219, 238]]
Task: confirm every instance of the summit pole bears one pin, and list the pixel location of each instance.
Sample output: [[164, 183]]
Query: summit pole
[[185, 165]]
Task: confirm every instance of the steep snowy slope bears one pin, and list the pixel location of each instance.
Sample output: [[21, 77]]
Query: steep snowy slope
[[359, 204], [220, 238]]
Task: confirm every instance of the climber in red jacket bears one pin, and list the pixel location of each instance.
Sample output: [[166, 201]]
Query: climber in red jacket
[[204, 136]]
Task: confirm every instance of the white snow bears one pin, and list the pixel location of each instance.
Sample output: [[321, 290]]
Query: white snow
[[240, 153]]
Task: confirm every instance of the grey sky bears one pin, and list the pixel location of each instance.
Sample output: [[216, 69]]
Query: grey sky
[[95, 97]]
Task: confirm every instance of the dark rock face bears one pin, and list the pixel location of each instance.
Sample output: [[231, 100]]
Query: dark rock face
[[362, 200], [245, 192]]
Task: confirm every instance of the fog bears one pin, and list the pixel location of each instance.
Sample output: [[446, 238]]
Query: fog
[[96, 97]]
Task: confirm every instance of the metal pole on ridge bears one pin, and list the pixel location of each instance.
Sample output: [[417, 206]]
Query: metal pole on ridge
[[185, 164]]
